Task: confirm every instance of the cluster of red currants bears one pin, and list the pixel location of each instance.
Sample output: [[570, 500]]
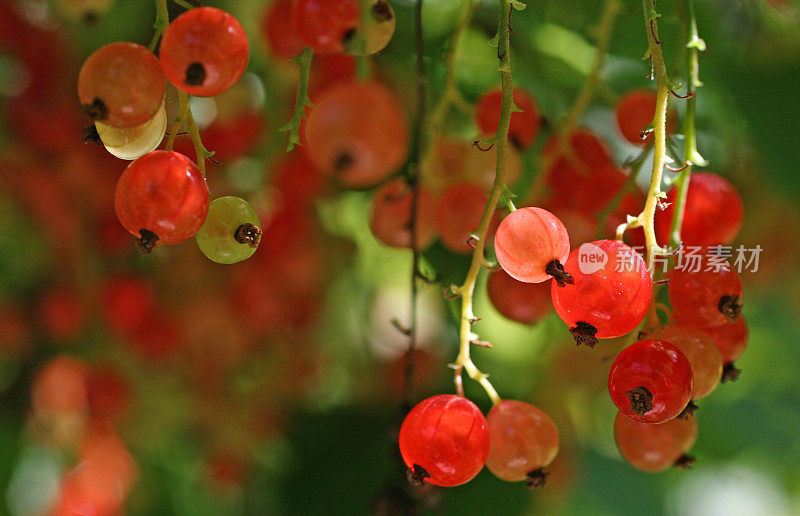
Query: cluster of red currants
[[602, 289], [162, 196]]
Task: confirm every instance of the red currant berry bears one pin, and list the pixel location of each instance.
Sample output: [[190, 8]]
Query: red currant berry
[[650, 381], [459, 213], [730, 339], [531, 245], [108, 393], [635, 111], [390, 218], [523, 302], [62, 313], [325, 25], [60, 387], [654, 448], [524, 124], [276, 26], [706, 298], [359, 147], [444, 441], [121, 85], [582, 145], [204, 51], [162, 197], [712, 216], [523, 440], [702, 353], [610, 294]]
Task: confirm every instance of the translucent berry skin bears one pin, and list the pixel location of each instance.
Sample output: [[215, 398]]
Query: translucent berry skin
[[661, 369], [325, 25], [359, 147], [525, 124], [390, 215], [375, 33], [459, 213], [654, 448], [217, 236], [276, 26], [165, 193], [634, 112], [522, 439], [134, 142], [121, 85], [590, 151], [702, 352], [527, 240], [696, 296], [204, 51], [523, 302], [448, 436], [613, 298], [730, 339], [713, 212]]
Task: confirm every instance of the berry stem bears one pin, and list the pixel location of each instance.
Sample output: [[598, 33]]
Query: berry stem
[[646, 218], [694, 46], [200, 151], [183, 3], [451, 97], [463, 360], [412, 179], [604, 29], [362, 60], [302, 101], [161, 23]]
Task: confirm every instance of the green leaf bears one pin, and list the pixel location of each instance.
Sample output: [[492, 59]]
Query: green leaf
[[495, 41], [518, 5]]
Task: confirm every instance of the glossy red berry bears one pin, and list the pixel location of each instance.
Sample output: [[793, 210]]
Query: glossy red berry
[[523, 440], [524, 124], [650, 381], [325, 25], [390, 215], [702, 353], [162, 198], [635, 111], [459, 213], [121, 85], [444, 441], [204, 51], [730, 339], [654, 448], [531, 245], [713, 212], [357, 132], [523, 302], [705, 298], [610, 294], [276, 26]]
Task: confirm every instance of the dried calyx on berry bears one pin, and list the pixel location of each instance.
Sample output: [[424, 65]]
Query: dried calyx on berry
[[584, 333], [560, 276], [641, 400]]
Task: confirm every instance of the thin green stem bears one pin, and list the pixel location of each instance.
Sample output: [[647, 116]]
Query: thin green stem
[[604, 29], [413, 181], [646, 218], [467, 289], [451, 96], [183, 3], [302, 101], [161, 23], [200, 151], [691, 156]]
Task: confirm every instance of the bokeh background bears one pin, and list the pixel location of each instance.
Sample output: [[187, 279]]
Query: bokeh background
[[274, 386]]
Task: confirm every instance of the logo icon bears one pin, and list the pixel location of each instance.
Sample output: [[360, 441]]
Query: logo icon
[[591, 258]]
